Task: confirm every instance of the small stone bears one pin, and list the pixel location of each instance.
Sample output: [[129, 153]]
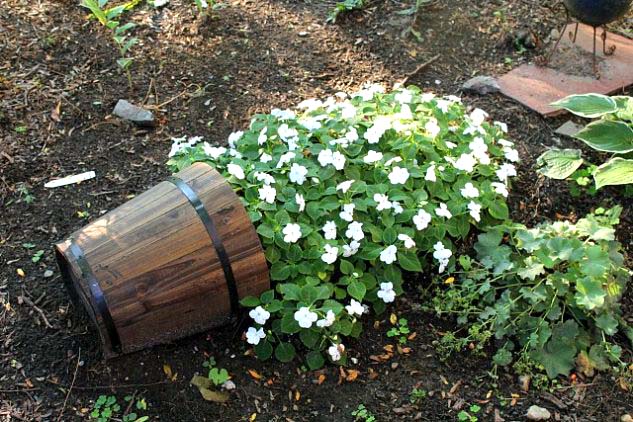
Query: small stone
[[536, 413], [134, 114], [569, 128], [524, 382], [229, 385], [626, 418], [303, 34], [48, 273], [481, 85]]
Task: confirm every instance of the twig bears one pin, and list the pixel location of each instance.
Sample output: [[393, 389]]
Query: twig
[[420, 68], [61, 412], [113, 387], [20, 390], [37, 309], [149, 90]]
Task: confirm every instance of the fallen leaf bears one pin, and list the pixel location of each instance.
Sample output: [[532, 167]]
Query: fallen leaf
[[393, 318], [254, 374], [389, 348], [214, 396], [167, 370], [412, 336], [372, 374], [253, 417], [321, 379], [56, 113], [20, 272], [515, 399], [200, 381], [352, 374], [297, 395]]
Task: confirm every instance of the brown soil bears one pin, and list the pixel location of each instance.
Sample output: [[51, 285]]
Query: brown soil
[[58, 84]]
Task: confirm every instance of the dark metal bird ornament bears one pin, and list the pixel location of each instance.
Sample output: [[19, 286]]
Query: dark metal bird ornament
[[595, 13]]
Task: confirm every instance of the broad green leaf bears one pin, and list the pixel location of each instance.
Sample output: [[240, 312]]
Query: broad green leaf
[[289, 325], [607, 323], [503, 357], [315, 360], [559, 164], [279, 271], [409, 261], [499, 210], [557, 357], [290, 291], [249, 301], [616, 171], [532, 269], [589, 293], [357, 290], [285, 352], [608, 136], [309, 337], [587, 105], [597, 262]]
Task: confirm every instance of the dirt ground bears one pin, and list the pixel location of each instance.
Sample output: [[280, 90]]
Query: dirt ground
[[58, 85]]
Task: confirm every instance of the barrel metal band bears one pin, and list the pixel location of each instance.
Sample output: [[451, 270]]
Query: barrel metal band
[[97, 295], [215, 239]]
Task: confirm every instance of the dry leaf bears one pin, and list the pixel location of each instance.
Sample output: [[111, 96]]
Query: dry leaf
[[393, 318], [253, 417], [412, 336], [254, 374], [200, 381], [214, 396], [20, 272], [372, 374], [167, 370], [297, 395], [56, 113], [389, 348], [321, 379], [352, 374]]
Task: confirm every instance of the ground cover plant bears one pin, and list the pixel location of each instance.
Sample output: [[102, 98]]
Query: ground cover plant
[[346, 195]]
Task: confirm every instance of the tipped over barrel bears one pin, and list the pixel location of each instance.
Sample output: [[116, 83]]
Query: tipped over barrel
[[169, 263]]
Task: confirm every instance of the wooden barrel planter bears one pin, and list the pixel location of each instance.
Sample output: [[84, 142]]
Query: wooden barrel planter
[[169, 263]]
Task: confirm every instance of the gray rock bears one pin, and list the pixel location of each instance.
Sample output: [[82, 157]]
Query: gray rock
[[481, 85], [569, 128], [134, 114], [536, 413], [48, 273]]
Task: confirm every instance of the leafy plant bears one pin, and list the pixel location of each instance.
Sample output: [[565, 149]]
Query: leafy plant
[[417, 395], [363, 414], [218, 376], [400, 331], [549, 294], [470, 415], [107, 409], [344, 6], [107, 17], [347, 195], [611, 133], [24, 194], [37, 256]]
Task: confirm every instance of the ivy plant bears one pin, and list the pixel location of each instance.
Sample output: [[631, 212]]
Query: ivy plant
[[348, 193], [549, 295], [611, 133]]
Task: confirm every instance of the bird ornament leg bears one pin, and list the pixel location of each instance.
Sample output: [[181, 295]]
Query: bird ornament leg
[[611, 49]]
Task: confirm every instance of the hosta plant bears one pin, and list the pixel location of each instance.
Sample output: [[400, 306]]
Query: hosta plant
[[611, 133], [346, 195], [549, 295]]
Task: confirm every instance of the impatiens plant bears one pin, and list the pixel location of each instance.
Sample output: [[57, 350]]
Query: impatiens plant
[[550, 295], [347, 194], [611, 133]]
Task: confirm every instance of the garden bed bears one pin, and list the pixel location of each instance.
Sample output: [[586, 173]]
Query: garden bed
[[58, 85]]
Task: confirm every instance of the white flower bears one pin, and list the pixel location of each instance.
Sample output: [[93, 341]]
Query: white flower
[[443, 211], [344, 186], [393, 160], [348, 212], [329, 230], [310, 104], [469, 191], [475, 210], [336, 352], [442, 255], [432, 128], [421, 220], [305, 317], [478, 116], [310, 123], [300, 200], [283, 114], [383, 202], [338, 160], [500, 188], [325, 157], [397, 208], [372, 156], [262, 138], [466, 162], [267, 194], [330, 255], [443, 105], [234, 137], [354, 308], [388, 255], [265, 158], [505, 143], [386, 292], [404, 114], [285, 132], [348, 111], [506, 170], [511, 154], [355, 231], [426, 97], [264, 177], [235, 171], [285, 158], [502, 126], [351, 135], [404, 96], [380, 126], [351, 249], [480, 150], [398, 176], [430, 174], [253, 335], [213, 152], [328, 320], [260, 315], [408, 241], [297, 173], [292, 233]]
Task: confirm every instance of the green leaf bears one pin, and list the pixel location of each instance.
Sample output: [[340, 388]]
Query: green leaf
[[499, 210], [288, 324], [279, 271], [589, 293], [608, 136], [264, 350], [608, 324], [309, 338], [597, 262], [532, 269], [315, 360], [267, 296], [290, 291], [357, 290], [346, 267], [616, 171], [587, 105], [266, 231], [558, 355], [559, 164], [503, 357], [285, 352], [249, 302], [409, 261]]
